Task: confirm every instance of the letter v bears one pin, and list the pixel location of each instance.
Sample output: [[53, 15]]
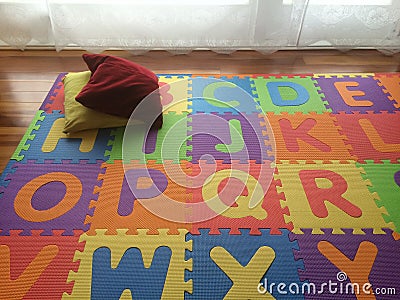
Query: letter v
[[359, 268], [245, 278], [16, 289]]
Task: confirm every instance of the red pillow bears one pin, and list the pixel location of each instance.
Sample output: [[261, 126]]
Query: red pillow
[[118, 85]]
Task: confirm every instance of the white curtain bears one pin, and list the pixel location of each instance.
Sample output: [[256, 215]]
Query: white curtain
[[183, 25]]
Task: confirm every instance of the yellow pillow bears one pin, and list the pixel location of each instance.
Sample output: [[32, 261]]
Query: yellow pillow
[[79, 117]]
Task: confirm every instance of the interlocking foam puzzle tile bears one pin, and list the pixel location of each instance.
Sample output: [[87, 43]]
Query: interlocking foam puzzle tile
[[349, 259], [372, 136], [142, 266], [55, 98], [390, 84], [308, 137], [228, 76], [48, 196], [237, 270], [48, 142], [10, 168], [175, 93], [29, 135], [229, 137], [356, 93], [115, 144], [78, 220], [329, 196], [342, 75], [223, 95], [117, 207], [236, 192], [288, 94], [385, 182], [36, 266], [172, 75], [166, 144], [282, 75]]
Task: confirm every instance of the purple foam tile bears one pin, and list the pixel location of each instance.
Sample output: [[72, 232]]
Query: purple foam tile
[[42, 199], [367, 85], [211, 131], [319, 270]]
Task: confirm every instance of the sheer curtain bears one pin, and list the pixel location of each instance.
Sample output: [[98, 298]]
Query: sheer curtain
[[183, 25]]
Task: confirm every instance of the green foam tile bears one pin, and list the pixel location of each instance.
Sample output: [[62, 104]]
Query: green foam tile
[[314, 103], [29, 135], [381, 176], [171, 142]]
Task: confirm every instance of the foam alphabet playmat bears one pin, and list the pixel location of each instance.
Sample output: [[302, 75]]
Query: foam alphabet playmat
[[293, 194]]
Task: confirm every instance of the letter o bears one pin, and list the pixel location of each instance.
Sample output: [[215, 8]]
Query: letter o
[[23, 201]]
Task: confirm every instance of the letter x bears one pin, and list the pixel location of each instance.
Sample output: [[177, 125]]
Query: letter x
[[245, 278]]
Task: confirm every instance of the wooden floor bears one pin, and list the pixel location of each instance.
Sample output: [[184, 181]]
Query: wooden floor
[[26, 77]]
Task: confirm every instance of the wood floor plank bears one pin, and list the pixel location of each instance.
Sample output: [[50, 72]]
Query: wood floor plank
[[26, 85], [28, 76], [6, 130], [23, 96], [349, 60], [19, 107], [7, 151], [10, 138], [16, 119]]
